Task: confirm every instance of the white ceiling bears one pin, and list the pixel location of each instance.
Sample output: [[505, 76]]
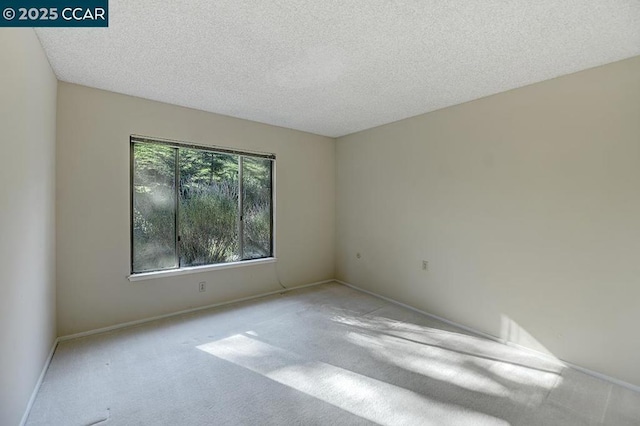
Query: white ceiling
[[334, 67]]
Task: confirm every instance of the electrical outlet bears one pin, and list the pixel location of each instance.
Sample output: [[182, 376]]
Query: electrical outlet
[[202, 286], [425, 265]]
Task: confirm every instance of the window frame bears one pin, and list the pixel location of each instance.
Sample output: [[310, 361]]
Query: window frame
[[179, 270]]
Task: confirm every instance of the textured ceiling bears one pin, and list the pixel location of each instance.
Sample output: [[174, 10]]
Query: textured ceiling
[[335, 67]]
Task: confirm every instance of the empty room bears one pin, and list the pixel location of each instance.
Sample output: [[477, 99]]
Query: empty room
[[283, 212]]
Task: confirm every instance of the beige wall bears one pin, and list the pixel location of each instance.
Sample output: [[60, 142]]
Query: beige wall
[[526, 205], [27, 286], [93, 255]]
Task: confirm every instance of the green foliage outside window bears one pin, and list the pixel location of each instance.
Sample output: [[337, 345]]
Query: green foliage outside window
[[207, 208]]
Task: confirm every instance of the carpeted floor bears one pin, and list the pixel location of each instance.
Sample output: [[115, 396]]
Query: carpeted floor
[[325, 355]]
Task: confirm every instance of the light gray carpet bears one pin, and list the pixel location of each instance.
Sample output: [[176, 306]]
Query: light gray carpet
[[326, 355]]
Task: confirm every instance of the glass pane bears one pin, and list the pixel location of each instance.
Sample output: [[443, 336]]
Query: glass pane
[[256, 176], [208, 213], [154, 234]]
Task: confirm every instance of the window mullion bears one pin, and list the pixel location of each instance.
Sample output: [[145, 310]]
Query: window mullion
[[240, 209], [177, 205], [271, 207]]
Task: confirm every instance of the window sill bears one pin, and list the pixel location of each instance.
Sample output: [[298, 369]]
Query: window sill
[[197, 269]]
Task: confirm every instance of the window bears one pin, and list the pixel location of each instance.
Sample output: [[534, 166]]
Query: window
[[195, 206]]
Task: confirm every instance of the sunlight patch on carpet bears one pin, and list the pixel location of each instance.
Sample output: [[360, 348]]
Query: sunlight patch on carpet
[[372, 399]]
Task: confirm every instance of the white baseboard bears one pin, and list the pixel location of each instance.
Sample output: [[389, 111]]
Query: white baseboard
[[27, 410], [499, 340], [185, 311]]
